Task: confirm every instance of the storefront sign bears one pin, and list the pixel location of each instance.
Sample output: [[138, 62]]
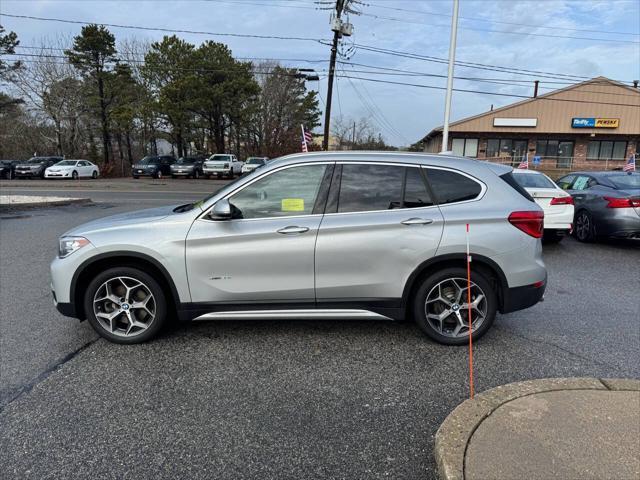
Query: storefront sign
[[595, 122], [515, 122]]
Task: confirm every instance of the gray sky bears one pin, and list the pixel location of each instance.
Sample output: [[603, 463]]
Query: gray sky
[[505, 33]]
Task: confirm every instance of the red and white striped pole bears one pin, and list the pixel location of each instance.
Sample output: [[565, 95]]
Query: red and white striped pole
[[469, 314]]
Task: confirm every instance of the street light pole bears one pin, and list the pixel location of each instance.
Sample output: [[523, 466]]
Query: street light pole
[[452, 59]]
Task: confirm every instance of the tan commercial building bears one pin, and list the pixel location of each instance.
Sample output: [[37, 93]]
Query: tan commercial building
[[591, 125]]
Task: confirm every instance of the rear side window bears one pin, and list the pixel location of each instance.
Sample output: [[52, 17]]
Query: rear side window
[[450, 187], [533, 180], [415, 190], [370, 187], [509, 179]]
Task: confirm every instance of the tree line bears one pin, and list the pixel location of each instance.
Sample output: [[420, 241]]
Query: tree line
[[116, 102]]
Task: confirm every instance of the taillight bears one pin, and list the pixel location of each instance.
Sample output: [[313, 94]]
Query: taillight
[[529, 222], [562, 201], [613, 202]]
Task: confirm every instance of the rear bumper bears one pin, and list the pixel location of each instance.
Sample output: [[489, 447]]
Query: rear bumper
[[619, 223], [519, 298]]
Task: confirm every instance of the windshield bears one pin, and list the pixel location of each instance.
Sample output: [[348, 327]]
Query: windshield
[[37, 160], [66, 163], [187, 161], [533, 180], [148, 160], [625, 181], [255, 161], [220, 158]]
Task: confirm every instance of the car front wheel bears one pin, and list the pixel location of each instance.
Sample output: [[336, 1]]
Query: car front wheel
[[441, 306], [125, 305]]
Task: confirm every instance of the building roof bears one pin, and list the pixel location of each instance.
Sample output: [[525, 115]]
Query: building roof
[[599, 97]]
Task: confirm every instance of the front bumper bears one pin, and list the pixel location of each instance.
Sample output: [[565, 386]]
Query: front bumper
[[143, 172], [184, 173], [27, 174], [57, 175]]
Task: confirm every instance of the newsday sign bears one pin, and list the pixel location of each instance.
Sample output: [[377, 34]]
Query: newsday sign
[[595, 122]]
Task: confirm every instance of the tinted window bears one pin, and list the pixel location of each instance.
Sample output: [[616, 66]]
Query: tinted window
[[415, 190], [452, 187], [370, 187], [533, 180], [625, 181], [292, 191]]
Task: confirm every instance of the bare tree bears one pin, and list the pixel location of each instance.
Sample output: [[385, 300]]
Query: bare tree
[[51, 88]]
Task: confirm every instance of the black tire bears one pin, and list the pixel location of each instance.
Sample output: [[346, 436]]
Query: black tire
[[174, 176], [208, 177], [74, 175], [434, 279], [136, 177], [94, 175], [160, 304], [196, 175], [584, 228], [158, 174]]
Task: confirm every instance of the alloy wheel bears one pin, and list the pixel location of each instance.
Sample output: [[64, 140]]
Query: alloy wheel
[[124, 306], [447, 309], [583, 226]]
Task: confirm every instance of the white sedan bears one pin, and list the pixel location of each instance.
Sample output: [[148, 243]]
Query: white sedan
[[556, 203], [72, 169]]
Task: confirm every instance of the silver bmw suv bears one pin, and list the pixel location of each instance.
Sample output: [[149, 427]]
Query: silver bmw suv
[[338, 235]]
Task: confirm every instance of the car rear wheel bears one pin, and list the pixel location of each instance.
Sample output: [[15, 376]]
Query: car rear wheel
[[585, 231], [441, 306], [125, 305], [94, 175]]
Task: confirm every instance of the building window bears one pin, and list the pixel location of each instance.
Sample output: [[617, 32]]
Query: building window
[[506, 148], [606, 150], [465, 147], [561, 150]]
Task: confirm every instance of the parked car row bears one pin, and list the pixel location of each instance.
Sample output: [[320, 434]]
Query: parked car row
[[48, 167], [589, 204], [218, 165]]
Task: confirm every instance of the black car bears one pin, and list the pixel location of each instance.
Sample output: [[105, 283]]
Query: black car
[[607, 204], [35, 166], [7, 168], [187, 167], [153, 166]]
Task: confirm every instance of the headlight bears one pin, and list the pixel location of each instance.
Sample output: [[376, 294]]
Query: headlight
[[68, 245]]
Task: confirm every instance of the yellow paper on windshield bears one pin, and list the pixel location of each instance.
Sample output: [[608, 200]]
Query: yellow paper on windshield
[[293, 204]]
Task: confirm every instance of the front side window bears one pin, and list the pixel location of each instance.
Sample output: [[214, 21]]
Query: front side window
[[370, 187], [566, 181], [284, 193], [450, 187]]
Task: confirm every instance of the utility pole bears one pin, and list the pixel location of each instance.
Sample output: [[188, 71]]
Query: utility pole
[[338, 30], [353, 136], [452, 59]]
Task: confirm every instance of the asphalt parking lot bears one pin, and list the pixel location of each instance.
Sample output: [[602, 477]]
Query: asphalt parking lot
[[280, 399]]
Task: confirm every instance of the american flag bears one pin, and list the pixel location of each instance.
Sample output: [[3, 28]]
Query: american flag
[[630, 166], [525, 161], [307, 138]]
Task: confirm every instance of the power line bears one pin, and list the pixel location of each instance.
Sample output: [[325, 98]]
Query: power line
[[526, 34], [480, 19], [160, 29], [434, 87]]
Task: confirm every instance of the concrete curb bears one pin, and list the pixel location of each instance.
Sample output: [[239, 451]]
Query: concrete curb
[[12, 207], [454, 434]]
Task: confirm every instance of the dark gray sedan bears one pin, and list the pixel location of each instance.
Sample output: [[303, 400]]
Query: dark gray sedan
[[607, 204]]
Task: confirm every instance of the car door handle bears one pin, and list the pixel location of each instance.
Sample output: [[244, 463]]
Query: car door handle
[[417, 221], [292, 230]]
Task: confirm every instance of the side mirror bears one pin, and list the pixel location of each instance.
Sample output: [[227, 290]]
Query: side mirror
[[221, 210]]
